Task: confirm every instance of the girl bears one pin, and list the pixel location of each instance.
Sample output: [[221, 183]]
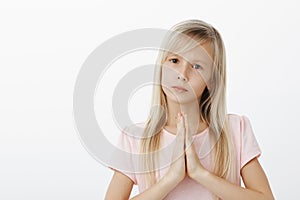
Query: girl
[[212, 149]]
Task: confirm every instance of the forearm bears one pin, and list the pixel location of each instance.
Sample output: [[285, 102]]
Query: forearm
[[228, 191], [158, 191]]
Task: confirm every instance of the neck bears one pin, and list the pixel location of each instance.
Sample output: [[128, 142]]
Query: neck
[[192, 111]]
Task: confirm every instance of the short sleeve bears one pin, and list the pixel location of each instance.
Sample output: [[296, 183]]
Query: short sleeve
[[249, 146], [125, 144]]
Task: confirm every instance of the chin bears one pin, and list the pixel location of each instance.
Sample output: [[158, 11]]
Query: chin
[[181, 100]]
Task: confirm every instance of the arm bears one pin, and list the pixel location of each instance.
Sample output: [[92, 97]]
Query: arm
[[120, 187], [158, 191], [256, 183]]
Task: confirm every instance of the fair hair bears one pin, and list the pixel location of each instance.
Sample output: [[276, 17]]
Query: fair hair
[[212, 106]]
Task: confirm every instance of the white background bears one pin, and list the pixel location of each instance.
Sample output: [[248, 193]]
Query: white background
[[44, 43]]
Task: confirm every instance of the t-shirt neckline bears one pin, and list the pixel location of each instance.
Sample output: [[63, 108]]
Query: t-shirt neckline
[[199, 134]]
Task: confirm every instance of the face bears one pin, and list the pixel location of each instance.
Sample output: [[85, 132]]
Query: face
[[185, 76]]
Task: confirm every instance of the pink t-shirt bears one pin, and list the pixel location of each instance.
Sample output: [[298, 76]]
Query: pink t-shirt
[[245, 144]]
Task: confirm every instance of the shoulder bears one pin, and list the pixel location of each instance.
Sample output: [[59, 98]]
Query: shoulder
[[244, 138], [240, 127], [135, 131], [237, 121], [234, 123], [130, 136], [235, 117]]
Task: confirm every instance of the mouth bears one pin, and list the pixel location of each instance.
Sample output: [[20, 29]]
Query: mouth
[[179, 89]]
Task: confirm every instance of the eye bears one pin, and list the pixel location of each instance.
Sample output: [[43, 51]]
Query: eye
[[173, 60], [196, 66]]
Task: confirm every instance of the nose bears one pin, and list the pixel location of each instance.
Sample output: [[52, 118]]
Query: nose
[[183, 71]]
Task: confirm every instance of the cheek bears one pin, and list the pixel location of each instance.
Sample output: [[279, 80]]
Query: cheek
[[205, 77], [168, 77], [198, 86]]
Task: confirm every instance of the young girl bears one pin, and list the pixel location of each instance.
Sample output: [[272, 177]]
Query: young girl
[[211, 150]]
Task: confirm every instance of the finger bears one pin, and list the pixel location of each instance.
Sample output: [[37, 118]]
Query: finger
[[179, 146], [188, 136], [180, 129]]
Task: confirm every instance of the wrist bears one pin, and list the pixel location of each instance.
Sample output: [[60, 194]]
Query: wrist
[[168, 183], [172, 179], [201, 175]]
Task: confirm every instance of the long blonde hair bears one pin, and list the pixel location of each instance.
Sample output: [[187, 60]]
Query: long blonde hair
[[212, 106]]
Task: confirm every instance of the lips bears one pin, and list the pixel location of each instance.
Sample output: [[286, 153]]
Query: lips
[[179, 88]]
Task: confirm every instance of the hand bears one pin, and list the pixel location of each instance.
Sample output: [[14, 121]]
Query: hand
[[193, 164], [177, 170]]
